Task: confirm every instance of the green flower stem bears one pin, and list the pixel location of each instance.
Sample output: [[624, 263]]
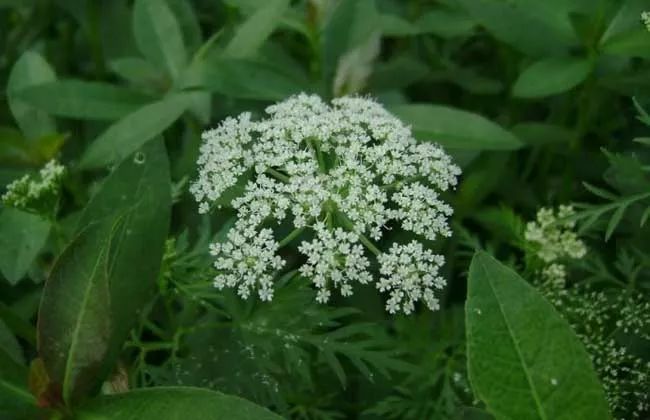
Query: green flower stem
[[347, 223], [277, 174], [291, 236]]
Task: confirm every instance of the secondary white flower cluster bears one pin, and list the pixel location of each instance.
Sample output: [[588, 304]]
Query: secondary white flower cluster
[[344, 172], [552, 235], [645, 18], [35, 193], [410, 273]]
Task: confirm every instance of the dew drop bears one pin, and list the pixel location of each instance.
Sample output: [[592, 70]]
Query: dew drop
[[139, 158]]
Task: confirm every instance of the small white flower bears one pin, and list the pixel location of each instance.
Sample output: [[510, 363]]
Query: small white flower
[[409, 274]]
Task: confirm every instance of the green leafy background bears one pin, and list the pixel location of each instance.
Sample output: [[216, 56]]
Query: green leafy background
[[106, 304]]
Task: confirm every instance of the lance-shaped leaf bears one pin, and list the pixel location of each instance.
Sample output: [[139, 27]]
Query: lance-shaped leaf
[[74, 318], [524, 360], [158, 35], [454, 128], [252, 33], [133, 204], [30, 69], [83, 100], [128, 134]]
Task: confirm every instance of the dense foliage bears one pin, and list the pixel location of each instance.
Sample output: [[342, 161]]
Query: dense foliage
[[445, 215]]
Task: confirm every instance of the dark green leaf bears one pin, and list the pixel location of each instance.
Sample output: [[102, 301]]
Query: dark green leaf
[[22, 235], [243, 79], [173, 403], [159, 36], [74, 321], [84, 100], [524, 360], [251, 34], [131, 132], [551, 76], [455, 128], [98, 286], [30, 69], [10, 345]]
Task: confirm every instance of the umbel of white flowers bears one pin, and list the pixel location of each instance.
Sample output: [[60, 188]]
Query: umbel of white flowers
[[343, 174]]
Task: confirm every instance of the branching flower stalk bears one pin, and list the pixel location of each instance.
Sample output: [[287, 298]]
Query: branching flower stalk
[[341, 174]]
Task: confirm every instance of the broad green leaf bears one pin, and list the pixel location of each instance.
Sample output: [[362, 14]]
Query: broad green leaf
[[74, 321], [173, 403], [138, 71], [30, 69], [158, 35], [84, 100], [188, 22], [22, 235], [627, 19], [519, 23], [524, 360], [256, 29], [131, 132], [141, 186], [634, 43], [105, 277], [243, 79], [455, 128], [551, 76]]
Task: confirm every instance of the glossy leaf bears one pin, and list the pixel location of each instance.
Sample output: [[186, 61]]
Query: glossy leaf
[[158, 35], [83, 100], [173, 403], [97, 287], [455, 128], [74, 321], [524, 360], [258, 27], [131, 132], [22, 235], [551, 76], [30, 69]]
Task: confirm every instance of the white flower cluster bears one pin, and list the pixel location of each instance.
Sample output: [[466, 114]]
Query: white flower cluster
[[348, 172], [28, 192], [645, 18], [552, 235]]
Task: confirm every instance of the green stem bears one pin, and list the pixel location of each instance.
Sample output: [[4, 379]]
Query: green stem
[[277, 174], [291, 236], [347, 223]]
